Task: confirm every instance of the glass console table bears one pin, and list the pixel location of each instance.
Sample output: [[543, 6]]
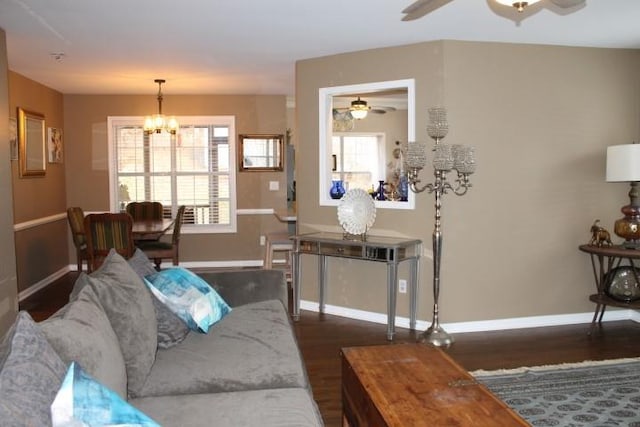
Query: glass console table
[[390, 250]]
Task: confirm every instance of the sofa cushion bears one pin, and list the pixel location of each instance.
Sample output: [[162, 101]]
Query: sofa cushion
[[82, 400], [81, 332], [189, 297], [253, 347], [171, 329], [30, 374], [264, 408], [128, 305]]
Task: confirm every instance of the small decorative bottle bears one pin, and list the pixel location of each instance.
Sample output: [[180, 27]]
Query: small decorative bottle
[[337, 189]]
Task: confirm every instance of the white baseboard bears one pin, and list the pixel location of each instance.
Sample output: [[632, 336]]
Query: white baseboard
[[44, 283], [476, 326]]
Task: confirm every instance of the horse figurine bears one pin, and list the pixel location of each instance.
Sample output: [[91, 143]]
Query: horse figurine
[[599, 236]]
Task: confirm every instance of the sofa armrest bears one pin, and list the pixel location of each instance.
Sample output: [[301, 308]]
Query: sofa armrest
[[239, 287]]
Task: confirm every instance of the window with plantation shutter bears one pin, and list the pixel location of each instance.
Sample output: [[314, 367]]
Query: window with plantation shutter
[[194, 168]]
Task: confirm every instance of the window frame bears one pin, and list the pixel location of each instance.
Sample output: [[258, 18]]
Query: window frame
[[380, 138], [229, 121]]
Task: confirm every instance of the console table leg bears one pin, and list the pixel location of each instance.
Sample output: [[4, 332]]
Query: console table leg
[[413, 293], [296, 286], [392, 279], [322, 282]]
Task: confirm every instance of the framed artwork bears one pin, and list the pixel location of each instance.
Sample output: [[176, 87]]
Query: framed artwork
[[13, 138], [32, 143], [55, 145]]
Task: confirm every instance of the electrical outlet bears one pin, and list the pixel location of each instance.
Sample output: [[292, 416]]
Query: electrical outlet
[[402, 286], [262, 240]]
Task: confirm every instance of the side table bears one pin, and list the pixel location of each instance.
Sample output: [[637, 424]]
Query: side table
[[603, 260]]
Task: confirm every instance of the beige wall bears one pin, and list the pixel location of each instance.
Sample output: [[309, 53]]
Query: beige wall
[[41, 250], [8, 282], [87, 173], [541, 118]]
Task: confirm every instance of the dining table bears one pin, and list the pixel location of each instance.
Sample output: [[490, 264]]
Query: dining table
[[151, 229]]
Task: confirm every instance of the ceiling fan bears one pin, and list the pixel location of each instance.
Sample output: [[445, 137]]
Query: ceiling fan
[[359, 109], [422, 7]]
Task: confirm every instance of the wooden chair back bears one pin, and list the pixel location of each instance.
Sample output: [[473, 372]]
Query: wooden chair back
[[107, 231], [75, 215], [159, 250], [141, 211]]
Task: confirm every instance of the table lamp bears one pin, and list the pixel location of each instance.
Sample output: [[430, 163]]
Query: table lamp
[[623, 164]]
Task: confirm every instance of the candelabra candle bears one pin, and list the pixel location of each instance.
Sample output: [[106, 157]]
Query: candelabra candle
[[438, 126], [443, 158], [446, 158]]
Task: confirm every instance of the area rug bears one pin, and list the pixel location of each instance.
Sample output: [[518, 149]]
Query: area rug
[[594, 394]]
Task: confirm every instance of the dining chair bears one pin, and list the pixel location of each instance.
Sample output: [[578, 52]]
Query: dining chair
[[157, 250], [75, 215], [106, 231], [145, 210]]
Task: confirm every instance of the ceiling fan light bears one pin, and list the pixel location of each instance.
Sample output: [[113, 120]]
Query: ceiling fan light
[[520, 5], [359, 109]]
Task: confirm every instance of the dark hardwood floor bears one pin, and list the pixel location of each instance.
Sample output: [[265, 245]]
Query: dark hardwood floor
[[322, 336]]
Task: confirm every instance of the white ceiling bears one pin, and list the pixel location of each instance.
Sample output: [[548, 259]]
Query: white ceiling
[[250, 46]]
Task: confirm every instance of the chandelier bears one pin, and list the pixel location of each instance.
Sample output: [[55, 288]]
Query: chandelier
[[158, 122]]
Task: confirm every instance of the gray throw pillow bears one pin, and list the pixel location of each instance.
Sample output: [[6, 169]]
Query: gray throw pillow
[[81, 332], [171, 329], [30, 375], [129, 307]]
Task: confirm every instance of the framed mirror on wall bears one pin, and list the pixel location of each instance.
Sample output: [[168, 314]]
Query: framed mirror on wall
[[364, 129], [31, 143], [260, 153]]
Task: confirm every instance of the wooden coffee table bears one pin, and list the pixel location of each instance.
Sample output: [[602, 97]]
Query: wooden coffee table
[[415, 385]]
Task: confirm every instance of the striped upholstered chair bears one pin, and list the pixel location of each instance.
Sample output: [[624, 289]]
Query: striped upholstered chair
[[75, 215], [106, 231], [141, 211]]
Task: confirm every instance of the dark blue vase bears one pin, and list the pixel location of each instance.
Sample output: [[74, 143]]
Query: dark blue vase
[[380, 192], [404, 188], [337, 189]]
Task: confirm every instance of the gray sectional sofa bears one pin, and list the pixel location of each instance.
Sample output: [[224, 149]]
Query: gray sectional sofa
[[247, 371]]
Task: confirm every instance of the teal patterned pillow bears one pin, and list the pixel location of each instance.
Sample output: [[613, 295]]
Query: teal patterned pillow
[[171, 329], [30, 374], [189, 297], [81, 399]]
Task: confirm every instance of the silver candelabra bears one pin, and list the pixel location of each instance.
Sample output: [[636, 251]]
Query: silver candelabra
[[445, 159]]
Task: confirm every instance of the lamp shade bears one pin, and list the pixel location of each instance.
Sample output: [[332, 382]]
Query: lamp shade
[[623, 163]]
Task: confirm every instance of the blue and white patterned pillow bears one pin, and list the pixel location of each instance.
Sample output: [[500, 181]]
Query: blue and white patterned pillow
[[189, 297], [82, 401]]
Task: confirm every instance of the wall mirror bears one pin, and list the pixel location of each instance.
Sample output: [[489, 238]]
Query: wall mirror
[[31, 143], [364, 148], [260, 152]]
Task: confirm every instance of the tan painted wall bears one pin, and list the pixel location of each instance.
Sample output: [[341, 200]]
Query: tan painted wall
[[41, 250], [541, 118], [8, 281], [87, 174]]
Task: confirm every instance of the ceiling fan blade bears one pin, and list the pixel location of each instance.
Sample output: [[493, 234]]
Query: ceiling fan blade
[[381, 110], [568, 3], [421, 7]]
